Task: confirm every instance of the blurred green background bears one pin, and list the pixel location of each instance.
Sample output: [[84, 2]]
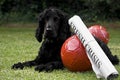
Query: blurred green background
[[89, 10]]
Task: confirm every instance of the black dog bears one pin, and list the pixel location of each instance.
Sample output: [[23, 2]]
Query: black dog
[[54, 28]]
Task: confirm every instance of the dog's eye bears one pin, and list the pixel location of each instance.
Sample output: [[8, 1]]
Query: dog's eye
[[56, 18], [47, 17]]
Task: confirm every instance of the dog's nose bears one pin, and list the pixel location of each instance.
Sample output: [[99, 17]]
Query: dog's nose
[[49, 28]]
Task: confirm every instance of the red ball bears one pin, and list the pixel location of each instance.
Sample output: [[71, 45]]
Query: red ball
[[100, 32], [74, 56]]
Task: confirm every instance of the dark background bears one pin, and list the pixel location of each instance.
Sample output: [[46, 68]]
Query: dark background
[[89, 10]]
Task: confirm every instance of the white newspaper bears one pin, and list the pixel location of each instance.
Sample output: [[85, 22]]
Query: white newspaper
[[101, 65]]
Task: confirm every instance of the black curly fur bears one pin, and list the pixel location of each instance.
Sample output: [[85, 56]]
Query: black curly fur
[[54, 28]]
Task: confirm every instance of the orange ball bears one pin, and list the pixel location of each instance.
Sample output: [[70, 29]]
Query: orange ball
[[100, 32], [74, 56]]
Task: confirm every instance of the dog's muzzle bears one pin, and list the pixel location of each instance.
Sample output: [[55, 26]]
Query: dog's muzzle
[[50, 33]]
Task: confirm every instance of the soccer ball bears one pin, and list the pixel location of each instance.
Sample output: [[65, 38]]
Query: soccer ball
[[74, 56], [100, 32]]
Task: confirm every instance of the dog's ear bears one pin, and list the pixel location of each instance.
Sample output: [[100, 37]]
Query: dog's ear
[[40, 28], [64, 32]]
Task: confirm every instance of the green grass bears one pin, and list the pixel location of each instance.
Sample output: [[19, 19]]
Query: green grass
[[19, 44]]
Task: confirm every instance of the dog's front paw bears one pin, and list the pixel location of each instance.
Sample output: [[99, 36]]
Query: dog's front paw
[[49, 68], [18, 65], [40, 67]]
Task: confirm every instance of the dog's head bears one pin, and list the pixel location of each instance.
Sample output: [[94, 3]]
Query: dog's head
[[53, 24]]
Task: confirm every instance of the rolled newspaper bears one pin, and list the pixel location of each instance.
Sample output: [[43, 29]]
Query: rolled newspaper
[[101, 65]]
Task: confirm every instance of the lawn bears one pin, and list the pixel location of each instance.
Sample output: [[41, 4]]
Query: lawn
[[19, 44]]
